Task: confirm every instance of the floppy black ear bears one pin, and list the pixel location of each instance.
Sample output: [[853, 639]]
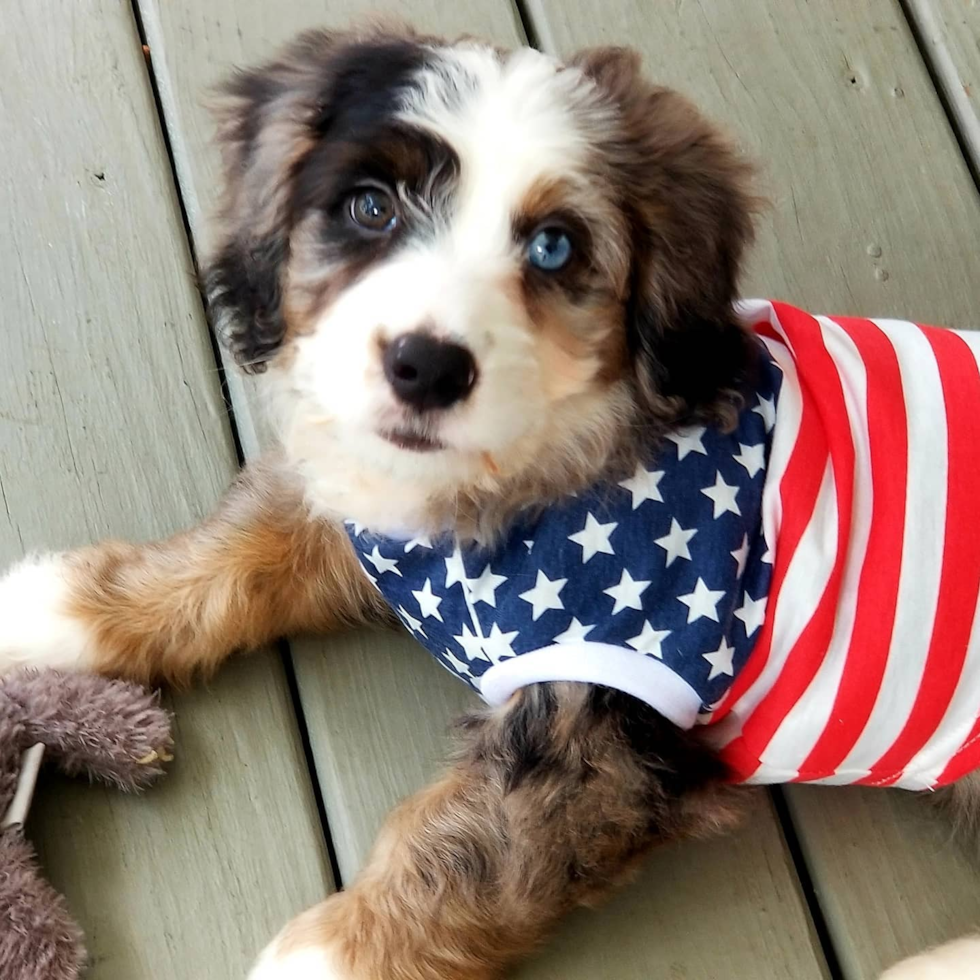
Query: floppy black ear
[[685, 190], [270, 119], [266, 120]]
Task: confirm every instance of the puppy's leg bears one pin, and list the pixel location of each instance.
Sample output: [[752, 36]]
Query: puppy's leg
[[257, 569], [552, 803]]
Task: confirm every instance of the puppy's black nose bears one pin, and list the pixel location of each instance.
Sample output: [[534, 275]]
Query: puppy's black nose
[[428, 373]]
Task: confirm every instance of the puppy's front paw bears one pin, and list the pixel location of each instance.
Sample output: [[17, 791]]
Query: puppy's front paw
[[36, 627], [280, 962], [958, 960]]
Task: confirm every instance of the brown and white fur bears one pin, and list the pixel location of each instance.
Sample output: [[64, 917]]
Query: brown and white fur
[[554, 798]]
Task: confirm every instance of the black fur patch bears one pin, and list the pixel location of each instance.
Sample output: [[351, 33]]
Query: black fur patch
[[692, 358]]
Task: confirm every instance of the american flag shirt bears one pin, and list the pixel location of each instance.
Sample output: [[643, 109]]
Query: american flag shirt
[[804, 587]]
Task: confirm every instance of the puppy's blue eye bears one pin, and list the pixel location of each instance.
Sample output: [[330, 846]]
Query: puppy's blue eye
[[373, 209], [549, 249]]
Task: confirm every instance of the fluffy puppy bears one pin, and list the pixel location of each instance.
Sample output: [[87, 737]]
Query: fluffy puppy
[[474, 283]]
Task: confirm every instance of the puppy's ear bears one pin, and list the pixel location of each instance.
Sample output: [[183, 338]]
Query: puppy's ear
[[266, 119], [269, 120], [684, 189]]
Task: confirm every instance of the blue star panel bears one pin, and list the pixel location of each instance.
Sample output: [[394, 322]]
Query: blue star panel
[[670, 564]]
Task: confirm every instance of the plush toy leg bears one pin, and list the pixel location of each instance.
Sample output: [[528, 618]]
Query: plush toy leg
[[39, 940]]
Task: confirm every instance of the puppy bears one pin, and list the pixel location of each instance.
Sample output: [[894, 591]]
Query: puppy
[[492, 299]]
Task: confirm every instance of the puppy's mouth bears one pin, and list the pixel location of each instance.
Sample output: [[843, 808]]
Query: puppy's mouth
[[413, 441]]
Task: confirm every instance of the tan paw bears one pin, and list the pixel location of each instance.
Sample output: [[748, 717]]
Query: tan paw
[[35, 628], [279, 962]]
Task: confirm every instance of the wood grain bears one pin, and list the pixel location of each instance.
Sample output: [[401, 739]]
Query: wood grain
[[111, 422], [377, 707], [949, 34], [873, 212], [892, 878]]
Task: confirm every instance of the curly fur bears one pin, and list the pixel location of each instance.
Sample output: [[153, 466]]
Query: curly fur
[[39, 940], [110, 730]]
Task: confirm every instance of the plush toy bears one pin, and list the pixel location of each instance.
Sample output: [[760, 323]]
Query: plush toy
[[112, 731]]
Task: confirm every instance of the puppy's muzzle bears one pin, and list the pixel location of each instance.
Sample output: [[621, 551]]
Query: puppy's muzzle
[[425, 372]]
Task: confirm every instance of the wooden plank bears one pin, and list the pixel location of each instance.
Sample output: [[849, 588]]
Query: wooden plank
[[873, 212], [891, 877], [377, 707], [707, 910], [111, 422], [872, 206], [949, 33]]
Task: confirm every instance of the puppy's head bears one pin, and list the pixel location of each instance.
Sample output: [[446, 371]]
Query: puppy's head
[[474, 271]]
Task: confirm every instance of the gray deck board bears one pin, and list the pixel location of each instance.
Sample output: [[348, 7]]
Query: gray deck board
[[111, 423]]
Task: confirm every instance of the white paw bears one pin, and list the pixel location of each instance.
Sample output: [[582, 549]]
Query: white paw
[[306, 963], [958, 960], [35, 629]]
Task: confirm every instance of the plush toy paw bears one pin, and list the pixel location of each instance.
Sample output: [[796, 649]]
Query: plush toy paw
[[112, 730], [36, 629], [958, 960]]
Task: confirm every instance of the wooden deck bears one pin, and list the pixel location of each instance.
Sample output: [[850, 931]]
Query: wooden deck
[[112, 422]]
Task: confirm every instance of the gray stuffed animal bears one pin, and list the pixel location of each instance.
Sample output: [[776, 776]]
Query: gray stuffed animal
[[110, 730]]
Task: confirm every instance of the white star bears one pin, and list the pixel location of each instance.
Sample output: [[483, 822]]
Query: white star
[[752, 613], [455, 569], [428, 601], [644, 485], [381, 563], [458, 665], [741, 554], [627, 593], [701, 602], [767, 409], [529, 545], [752, 458], [675, 543], [650, 641], [484, 588], [422, 541], [721, 660], [472, 645], [688, 441], [593, 538], [723, 494], [498, 645], [415, 625], [544, 595], [575, 633]]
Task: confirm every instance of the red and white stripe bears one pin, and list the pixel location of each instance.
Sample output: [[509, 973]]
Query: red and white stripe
[[867, 668]]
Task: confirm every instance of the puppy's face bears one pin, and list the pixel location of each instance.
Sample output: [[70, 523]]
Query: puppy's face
[[473, 269]]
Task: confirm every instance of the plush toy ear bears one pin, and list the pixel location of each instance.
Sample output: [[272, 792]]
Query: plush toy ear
[[684, 188], [111, 730]]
